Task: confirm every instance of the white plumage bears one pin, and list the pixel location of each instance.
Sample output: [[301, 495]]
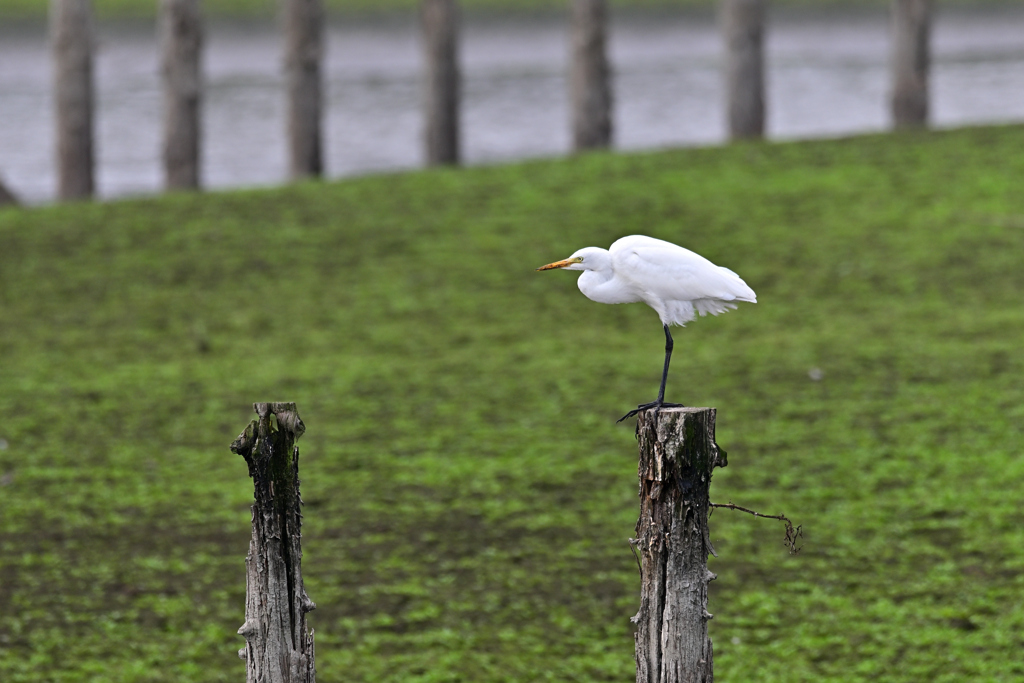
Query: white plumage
[[676, 282]]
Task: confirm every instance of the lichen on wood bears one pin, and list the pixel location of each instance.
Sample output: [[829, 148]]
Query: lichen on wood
[[277, 645]]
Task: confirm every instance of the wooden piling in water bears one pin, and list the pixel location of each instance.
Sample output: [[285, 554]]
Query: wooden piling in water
[[911, 26], [590, 91], [180, 30], [677, 454], [278, 648], [440, 21], [743, 26], [72, 44], [303, 30]]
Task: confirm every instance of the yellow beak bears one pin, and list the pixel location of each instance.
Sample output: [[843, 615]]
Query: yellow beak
[[558, 264]]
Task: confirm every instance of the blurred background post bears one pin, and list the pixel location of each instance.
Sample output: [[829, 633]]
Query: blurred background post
[[181, 38], [743, 25], [911, 54], [303, 29], [72, 43], [589, 76], [442, 81]]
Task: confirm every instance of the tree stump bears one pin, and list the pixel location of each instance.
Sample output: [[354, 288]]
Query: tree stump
[[277, 647], [677, 454]]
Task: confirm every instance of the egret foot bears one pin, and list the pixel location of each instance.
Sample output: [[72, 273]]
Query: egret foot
[[657, 405]]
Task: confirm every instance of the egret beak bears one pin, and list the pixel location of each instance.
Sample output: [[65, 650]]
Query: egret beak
[[558, 264]]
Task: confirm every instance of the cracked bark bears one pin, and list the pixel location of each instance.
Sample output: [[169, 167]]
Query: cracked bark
[[677, 454], [278, 648]]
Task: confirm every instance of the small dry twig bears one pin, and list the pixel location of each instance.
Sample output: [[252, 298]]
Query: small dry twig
[[792, 533], [632, 546]]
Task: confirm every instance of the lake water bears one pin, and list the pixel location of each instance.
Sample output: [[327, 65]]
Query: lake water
[[827, 76]]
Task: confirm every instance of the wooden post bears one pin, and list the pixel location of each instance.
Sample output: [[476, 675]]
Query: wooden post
[[911, 24], [7, 198], [277, 647], [180, 35], [589, 78], [303, 20], [677, 454], [743, 26], [71, 38], [441, 36]]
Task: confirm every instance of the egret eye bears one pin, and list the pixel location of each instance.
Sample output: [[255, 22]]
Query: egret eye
[[578, 259]]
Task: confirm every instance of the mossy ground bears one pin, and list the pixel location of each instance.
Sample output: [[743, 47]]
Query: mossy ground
[[468, 493]]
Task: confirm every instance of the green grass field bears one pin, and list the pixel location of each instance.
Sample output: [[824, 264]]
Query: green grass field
[[468, 493]]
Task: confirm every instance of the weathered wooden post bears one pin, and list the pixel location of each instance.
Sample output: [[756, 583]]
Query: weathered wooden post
[[677, 454], [743, 26], [277, 647], [911, 25], [303, 24], [72, 43], [589, 78], [180, 34], [440, 20]]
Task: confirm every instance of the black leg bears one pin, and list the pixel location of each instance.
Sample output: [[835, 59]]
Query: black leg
[[660, 403], [668, 359]]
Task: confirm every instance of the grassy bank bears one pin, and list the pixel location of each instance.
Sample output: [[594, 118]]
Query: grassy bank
[[468, 493]]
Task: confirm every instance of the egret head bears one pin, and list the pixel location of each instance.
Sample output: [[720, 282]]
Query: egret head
[[587, 258]]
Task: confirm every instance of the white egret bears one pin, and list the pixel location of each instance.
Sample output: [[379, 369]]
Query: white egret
[[677, 283]]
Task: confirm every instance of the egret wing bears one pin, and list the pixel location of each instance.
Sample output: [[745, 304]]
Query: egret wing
[[671, 273]]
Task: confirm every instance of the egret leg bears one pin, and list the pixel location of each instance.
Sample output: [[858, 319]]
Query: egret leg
[[668, 359], [660, 403]]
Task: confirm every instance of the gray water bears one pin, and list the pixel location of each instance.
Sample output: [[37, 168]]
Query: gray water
[[827, 76]]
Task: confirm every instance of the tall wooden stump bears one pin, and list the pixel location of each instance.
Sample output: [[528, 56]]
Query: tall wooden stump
[[72, 44], [677, 454], [911, 25], [303, 27], [180, 31], [589, 78], [277, 647], [743, 26], [441, 97]]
